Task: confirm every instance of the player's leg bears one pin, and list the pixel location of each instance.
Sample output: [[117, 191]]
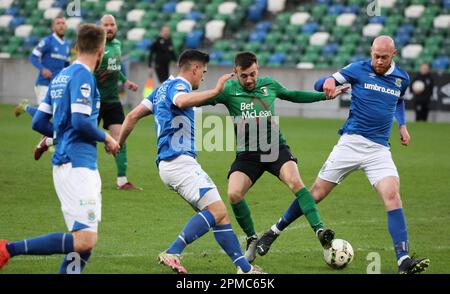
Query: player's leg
[[239, 182], [113, 118], [382, 173], [75, 262]]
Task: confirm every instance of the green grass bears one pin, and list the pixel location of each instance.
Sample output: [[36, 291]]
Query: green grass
[[136, 226]]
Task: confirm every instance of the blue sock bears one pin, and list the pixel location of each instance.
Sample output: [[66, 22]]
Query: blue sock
[[291, 214], [230, 244], [72, 266], [197, 226], [43, 245], [31, 110], [399, 231]]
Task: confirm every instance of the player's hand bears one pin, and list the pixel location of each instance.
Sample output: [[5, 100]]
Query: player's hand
[[46, 73], [404, 136], [111, 145], [221, 82], [338, 91], [329, 86], [131, 86]]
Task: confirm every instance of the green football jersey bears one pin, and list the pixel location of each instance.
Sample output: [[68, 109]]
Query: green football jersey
[[253, 112], [109, 73]]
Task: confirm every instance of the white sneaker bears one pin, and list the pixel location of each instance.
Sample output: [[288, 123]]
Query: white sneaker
[[255, 270]]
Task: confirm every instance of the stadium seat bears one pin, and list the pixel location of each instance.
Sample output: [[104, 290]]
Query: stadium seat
[[255, 13], [414, 11], [441, 63], [45, 4], [23, 31], [135, 34], [214, 29], [5, 4], [184, 7], [5, 20], [194, 15], [263, 26], [227, 8], [51, 13], [276, 6], [442, 21], [113, 5], [194, 39], [345, 19], [319, 38], [186, 25], [310, 28], [372, 29], [135, 15], [299, 18], [386, 3], [73, 22], [411, 51]]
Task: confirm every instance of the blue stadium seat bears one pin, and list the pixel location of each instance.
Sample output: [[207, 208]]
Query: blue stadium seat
[[263, 26], [441, 63], [13, 10], [358, 57], [143, 44], [169, 7], [60, 4], [216, 55], [405, 29], [378, 19], [446, 4], [402, 39], [257, 36], [194, 15], [277, 58], [261, 3], [330, 49], [336, 9], [328, 2], [255, 13], [194, 39], [310, 27], [352, 9], [17, 21]]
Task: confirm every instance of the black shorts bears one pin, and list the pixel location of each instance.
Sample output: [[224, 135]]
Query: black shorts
[[250, 163], [111, 114]]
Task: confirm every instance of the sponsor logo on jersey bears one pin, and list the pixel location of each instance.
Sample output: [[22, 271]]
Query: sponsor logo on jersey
[[264, 91], [91, 216], [382, 89], [85, 90], [180, 87], [398, 82]]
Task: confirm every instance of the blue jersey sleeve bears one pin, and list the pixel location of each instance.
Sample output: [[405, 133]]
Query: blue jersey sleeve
[[178, 88], [348, 74], [405, 85], [82, 91], [149, 101]]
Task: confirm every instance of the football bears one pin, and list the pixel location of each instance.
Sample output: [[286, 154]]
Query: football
[[418, 87], [339, 255]]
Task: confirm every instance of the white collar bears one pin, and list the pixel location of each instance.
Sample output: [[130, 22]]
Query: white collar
[[60, 41], [79, 62], [391, 69], [183, 79]]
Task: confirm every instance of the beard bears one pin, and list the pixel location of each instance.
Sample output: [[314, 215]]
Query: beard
[[108, 38]]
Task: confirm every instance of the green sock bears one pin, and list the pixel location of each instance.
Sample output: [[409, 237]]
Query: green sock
[[121, 161], [309, 208], [244, 217]]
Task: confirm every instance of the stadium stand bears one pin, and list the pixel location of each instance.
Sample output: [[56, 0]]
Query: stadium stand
[[293, 33]]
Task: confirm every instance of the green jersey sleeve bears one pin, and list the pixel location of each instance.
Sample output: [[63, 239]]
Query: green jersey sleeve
[[297, 96], [221, 98]]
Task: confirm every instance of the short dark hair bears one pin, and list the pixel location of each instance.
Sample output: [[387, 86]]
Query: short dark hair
[[191, 55], [90, 37], [245, 59]]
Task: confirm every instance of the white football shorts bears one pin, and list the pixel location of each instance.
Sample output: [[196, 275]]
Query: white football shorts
[[354, 152], [185, 176], [79, 191], [40, 92]]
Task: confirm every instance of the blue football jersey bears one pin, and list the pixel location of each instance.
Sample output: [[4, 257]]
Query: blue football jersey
[[374, 99], [174, 127], [54, 54], [73, 90]]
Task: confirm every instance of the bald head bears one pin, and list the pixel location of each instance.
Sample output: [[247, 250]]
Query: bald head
[[108, 23], [383, 52]]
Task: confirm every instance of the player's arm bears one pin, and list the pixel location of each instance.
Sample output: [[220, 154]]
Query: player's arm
[[304, 96], [36, 58], [400, 115], [143, 109], [347, 75], [41, 119], [186, 100]]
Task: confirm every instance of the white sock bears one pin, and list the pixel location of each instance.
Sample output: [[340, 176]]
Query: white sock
[[121, 181], [275, 229], [400, 260], [49, 141]]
